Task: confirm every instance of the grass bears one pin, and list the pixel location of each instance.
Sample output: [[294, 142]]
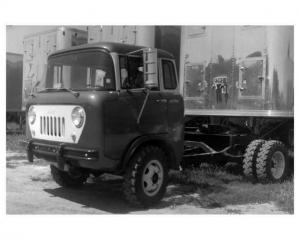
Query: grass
[[13, 143], [285, 196], [17, 152], [219, 188]]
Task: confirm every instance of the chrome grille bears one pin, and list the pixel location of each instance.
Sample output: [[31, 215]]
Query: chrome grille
[[52, 126]]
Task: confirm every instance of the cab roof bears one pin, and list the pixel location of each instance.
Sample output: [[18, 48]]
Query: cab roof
[[119, 48]]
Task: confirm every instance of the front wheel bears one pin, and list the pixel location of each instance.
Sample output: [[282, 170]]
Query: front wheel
[[146, 178]]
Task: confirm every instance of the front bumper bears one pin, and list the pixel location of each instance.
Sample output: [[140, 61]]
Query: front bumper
[[60, 153]]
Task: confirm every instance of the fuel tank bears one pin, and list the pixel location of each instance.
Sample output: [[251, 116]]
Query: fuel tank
[[238, 70]]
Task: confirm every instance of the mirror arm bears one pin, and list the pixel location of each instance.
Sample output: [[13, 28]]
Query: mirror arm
[[143, 106]]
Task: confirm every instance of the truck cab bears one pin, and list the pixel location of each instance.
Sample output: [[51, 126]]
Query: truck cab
[[109, 108]]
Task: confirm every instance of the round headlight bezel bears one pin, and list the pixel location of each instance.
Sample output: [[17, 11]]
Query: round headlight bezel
[[31, 115], [78, 116]]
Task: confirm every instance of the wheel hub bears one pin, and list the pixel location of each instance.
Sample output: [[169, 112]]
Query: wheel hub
[[155, 178], [277, 164], [152, 177]]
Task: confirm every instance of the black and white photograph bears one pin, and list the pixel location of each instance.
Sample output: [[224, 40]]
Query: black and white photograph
[[148, 120]]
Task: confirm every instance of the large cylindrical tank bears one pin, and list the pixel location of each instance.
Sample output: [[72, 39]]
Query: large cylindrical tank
[[238, 70]]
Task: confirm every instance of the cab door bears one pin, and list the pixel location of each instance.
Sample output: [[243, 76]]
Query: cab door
[[125, 117], [153, 118], [148, 110], [141, 114]]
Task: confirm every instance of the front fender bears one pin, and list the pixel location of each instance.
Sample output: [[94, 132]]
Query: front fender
[[160, 140]]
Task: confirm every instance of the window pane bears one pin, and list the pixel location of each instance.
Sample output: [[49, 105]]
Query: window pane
[[131, 72], [169, 75], [81, 70]]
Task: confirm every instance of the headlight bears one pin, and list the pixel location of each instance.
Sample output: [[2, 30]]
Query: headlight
[[78, 116], [31, 115]]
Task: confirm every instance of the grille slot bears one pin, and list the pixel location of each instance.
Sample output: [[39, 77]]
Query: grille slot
[[52, 126]]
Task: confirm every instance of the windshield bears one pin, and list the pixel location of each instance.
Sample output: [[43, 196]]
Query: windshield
[[80, 71]]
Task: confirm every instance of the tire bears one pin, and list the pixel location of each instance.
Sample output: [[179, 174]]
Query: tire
[[249, 161], [273, 164], [68, 179], [145, 180]]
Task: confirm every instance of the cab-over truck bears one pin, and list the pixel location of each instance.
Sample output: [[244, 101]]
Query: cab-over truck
[[116, 108]]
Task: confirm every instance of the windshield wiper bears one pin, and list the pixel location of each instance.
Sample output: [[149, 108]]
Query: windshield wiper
[[74, 93]]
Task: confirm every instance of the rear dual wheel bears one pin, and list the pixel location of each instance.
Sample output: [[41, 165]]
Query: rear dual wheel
[[266, 161], [249, 161], [272, 162]]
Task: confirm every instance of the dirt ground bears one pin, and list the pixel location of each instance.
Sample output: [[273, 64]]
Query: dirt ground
[[31, 190]]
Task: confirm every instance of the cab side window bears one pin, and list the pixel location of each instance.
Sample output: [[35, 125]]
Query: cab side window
[[170, 81], [131, 71]]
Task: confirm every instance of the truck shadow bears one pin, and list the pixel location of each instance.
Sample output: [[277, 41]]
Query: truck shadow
[[107, 196], [210, 191]]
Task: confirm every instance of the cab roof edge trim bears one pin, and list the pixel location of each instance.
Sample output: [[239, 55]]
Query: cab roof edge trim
[[71, 50], [119, 48]]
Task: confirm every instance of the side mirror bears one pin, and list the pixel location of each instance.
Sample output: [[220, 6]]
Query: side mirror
[[150, 68]]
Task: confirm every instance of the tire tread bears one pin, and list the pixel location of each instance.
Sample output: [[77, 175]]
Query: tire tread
[[250, 158], [263, 158], [130, 177]]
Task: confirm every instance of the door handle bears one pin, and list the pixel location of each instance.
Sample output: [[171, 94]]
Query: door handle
[[161, 100], [240, 86]]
